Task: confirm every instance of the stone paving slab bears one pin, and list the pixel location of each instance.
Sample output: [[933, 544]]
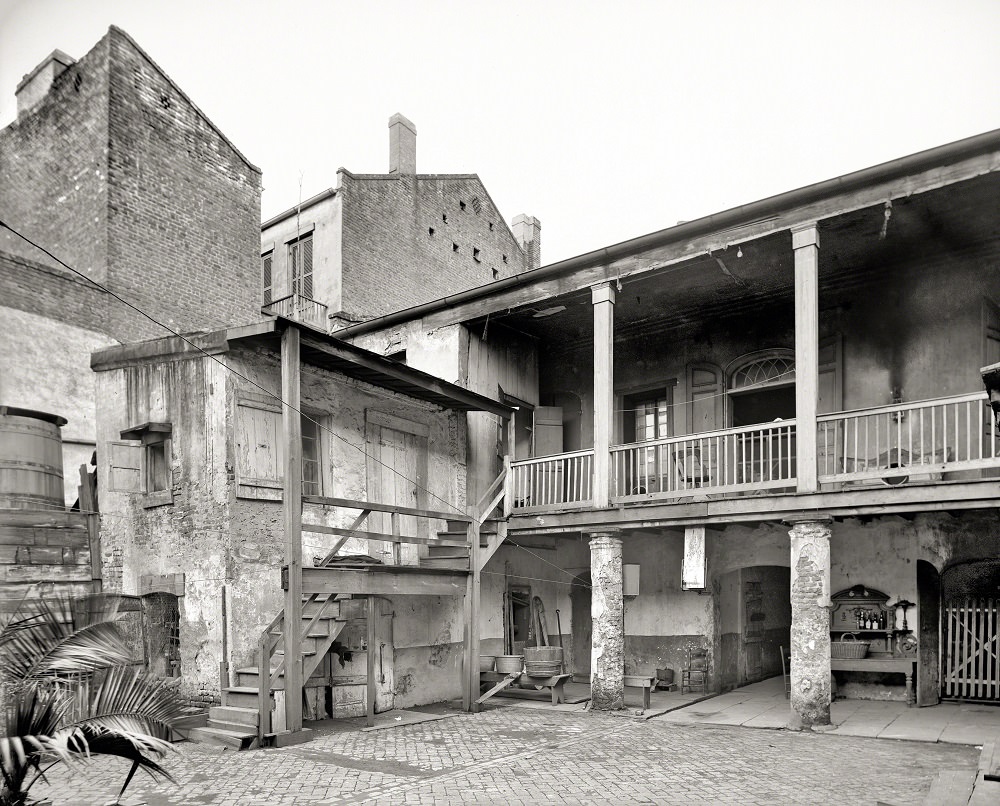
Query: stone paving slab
[[516, 755]]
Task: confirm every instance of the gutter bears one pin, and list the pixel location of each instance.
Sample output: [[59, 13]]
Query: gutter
[[727, 219]]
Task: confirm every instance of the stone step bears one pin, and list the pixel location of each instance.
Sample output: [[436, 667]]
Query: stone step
[[232, 727], [233, 714], [236, 740]]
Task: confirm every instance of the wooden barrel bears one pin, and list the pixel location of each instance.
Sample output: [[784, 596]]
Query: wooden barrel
[[31, 465]]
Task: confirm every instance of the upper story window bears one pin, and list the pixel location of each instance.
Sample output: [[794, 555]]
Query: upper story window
[[267, 278], [300, 262], [140, 463]]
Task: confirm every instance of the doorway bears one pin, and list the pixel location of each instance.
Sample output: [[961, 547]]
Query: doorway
[[582, 626], [970, 613], [929, 640], [517, 619]]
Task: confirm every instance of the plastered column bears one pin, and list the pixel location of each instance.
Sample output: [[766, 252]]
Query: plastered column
[[607, 659], [810, 639]]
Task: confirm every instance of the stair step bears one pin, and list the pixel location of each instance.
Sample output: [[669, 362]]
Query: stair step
[[237, 740], [232, 727], [240, 697], [233, 714], [484, 537]]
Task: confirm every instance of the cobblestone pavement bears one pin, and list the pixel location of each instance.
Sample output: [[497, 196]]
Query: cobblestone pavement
[[512, 755]]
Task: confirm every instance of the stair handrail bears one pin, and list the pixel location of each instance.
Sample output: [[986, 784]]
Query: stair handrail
[[494, 494], [265, 649]]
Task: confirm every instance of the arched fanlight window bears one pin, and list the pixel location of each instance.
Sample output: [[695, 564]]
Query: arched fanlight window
[[771, 368]]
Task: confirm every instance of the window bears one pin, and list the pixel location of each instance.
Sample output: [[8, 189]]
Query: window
[[300, 261], [260, 454], [267, 278], [140, 463], [647, 416]]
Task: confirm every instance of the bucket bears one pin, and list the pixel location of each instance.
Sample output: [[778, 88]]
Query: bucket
[[31, 466], [486, 662], [510, 664], [543, 661]]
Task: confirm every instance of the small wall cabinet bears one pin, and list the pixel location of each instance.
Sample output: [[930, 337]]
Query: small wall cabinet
[[864, 612]]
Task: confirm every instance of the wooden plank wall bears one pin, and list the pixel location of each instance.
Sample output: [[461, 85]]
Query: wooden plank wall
[[42, 552]]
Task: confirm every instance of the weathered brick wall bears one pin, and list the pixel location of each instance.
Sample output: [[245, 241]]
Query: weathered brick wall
[[53, 169], [117, 173], [28, 285], [183, 227], [410, 240]]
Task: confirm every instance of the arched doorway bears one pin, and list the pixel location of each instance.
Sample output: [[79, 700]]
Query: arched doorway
[[582, 626], [970, 613]]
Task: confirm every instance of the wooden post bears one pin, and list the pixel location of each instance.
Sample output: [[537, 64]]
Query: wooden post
[[88, 504], [370, 688], [603, 298], [224, 663], [805, 243], [292, 498], [508, 487], [474, 594], [396, 546]]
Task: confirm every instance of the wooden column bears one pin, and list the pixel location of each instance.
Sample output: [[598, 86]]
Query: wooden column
[[805, 243], [470, 689], [603, 298], [292, 499], [372, 642]]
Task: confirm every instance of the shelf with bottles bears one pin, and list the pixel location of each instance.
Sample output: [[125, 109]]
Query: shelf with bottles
[[865, 613]]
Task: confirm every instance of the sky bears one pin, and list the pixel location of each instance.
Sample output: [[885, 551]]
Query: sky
[[606, 120]]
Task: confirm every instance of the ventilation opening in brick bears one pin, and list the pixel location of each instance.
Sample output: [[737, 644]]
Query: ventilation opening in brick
[[461, 205], [496, 274], [454, 246], [444, 217], [491, 226], [504, 258], [430, 230], [475, 254]]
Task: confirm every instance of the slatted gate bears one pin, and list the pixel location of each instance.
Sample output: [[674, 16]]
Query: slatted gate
[[971, 650]]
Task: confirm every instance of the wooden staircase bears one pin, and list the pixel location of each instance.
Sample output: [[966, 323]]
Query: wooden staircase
[[457, 557], [243, 720]]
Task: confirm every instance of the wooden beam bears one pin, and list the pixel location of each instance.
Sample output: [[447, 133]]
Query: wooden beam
[[769, 508], [805, 243], [292, 498], [603, 297], [373, 506], [370, 660], [475, 592], [340, 530], [420, 582]]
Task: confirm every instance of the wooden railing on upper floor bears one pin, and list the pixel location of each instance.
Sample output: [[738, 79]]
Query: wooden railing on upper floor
[[300, 308]]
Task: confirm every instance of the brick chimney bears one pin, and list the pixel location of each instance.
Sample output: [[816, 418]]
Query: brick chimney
[[528, 232], [35, 85], [402, 146]]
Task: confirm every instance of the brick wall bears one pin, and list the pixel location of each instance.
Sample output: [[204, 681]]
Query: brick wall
[[184, 205], [410, 240], [53, 169], [119, 174]]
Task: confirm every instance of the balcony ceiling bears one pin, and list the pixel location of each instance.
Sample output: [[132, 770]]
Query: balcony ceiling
[[755, 278]]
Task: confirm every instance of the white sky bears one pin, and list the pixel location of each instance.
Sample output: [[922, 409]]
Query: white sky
[[606, 120]]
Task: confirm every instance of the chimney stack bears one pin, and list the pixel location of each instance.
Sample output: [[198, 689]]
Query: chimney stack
[[35, 85], [402, 146], [528, 233]]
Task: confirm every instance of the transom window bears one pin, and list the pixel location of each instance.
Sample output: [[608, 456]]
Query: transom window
[[773, 369]]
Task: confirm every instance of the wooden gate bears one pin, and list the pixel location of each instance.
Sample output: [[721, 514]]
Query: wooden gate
[[971, 651]]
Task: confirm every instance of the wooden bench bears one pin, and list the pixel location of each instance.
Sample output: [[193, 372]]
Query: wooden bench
[[555, 683], [645, 683]]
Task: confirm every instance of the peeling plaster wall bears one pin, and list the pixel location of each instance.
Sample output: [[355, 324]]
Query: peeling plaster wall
[[215, 538]]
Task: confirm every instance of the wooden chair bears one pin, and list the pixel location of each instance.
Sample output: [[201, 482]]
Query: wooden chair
[[786, 670], [695, 672]]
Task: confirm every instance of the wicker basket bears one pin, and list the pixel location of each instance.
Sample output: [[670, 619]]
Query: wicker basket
[[852, 649]]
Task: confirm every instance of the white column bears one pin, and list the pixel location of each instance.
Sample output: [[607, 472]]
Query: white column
[[603, 297], [810, 633], [805, 243], [607, 610]]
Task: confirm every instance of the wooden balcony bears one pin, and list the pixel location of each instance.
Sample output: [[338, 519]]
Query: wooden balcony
[[926, 442], [300, 309]]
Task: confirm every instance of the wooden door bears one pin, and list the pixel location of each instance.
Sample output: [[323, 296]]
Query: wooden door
[[582, 625], [929, 604], [547, 440], [385, 681], [397, 474]]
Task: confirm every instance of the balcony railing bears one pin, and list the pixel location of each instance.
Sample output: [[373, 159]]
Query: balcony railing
[[301, 309], [758, 457], [553, 481], [895, 443]]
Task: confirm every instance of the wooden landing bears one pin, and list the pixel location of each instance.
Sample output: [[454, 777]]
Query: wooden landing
[[385, 580]]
